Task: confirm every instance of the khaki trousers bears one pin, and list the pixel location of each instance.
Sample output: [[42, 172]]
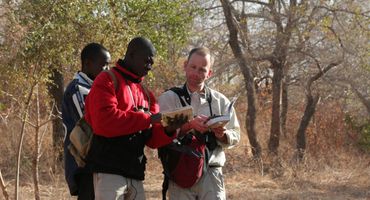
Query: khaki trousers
[[209, 187], [116, 187]]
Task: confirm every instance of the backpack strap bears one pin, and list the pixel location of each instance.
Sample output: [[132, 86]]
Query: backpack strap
[[147, 95], [113, 77], [183, 95], [209, 99], [165, 184]]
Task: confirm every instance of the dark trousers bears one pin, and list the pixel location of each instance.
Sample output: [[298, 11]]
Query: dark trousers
[[85, 186]]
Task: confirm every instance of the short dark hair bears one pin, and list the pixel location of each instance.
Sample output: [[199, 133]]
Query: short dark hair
[[91, 51], [140, 44], [203, 51]]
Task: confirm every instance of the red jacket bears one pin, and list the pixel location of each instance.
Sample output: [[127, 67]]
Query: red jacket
[[111, 112]]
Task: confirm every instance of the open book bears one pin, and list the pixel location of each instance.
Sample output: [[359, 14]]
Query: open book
[[221, 120], [169, 115]]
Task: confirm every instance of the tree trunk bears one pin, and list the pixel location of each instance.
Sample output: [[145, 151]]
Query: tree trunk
[[251, 113], [301, 133], [309, 110], [248, 78], [282, 38], [20, 143], [284, 106], [275, 118], [36, 158], [56, 88]]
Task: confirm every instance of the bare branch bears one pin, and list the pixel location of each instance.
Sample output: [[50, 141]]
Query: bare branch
[[363, 99], [345, 11], [303, 2], [3, 187], [47, 121], [291, 16], [37, 152], [212, 8], [317, 62], [258, 15], [46, 127], [254, 1], [26, 121], [326, 69], [259, 80], [11, 96], [276, 17], [19, 149], [282, 2], [336, 35], [348, 83]]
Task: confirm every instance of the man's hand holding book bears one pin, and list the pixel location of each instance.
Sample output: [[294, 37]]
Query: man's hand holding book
[[221, 120]]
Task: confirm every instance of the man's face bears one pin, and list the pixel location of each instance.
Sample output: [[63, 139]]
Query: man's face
[[197, 70], [142, 62], [96, 65]]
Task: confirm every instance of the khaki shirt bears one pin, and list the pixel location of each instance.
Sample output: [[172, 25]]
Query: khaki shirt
[[170, 101]]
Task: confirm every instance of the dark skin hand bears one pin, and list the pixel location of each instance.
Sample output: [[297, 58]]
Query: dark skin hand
[[156, 118], [173, 123]]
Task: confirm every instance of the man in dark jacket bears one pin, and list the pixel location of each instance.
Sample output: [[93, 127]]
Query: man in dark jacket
[[94, 57], [124, 120]]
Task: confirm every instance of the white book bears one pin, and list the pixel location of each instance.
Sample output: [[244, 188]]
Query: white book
[[221, 120]]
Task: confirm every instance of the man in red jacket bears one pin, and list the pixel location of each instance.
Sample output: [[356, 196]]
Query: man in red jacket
[[125, 119]]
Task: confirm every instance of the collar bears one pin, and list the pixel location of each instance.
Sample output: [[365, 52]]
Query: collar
[[202, 93], [126, 73], [82, 77], [205, 93]]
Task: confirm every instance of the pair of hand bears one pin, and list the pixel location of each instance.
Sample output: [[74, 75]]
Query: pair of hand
[[199, 124], [173, 123], [181, 121]]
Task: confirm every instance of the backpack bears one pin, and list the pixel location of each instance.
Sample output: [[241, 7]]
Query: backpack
[[184, 160], [81, 135]]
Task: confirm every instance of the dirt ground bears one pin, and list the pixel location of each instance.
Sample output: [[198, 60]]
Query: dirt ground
[[244, 181], [335, 174]]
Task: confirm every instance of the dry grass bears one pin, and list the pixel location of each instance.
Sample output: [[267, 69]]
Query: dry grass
[[334, 167], [244, 180]]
